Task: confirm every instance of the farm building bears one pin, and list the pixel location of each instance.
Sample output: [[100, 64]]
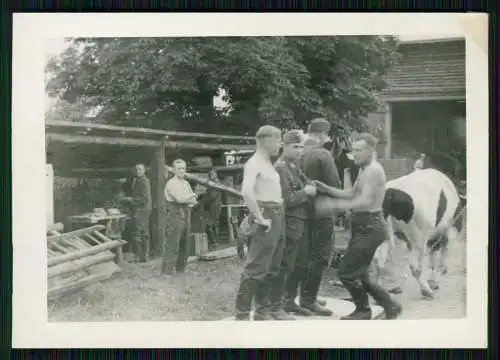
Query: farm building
[[424, 104]]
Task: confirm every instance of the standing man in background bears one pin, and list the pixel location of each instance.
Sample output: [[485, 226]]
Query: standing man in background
[[180, 198], [141, 206], [261, 191], [213, 207], [297, 190], [317, 163]]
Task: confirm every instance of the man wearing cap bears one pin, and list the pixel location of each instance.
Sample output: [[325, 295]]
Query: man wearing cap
[[296, 190], [261, 191], [317, 163]]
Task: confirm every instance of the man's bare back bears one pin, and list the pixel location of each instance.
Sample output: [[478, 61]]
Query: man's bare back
[[371, 182]]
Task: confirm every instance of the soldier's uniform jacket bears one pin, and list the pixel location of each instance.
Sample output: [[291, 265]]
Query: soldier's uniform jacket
[[318, 164], [141, 194], [292, 181]]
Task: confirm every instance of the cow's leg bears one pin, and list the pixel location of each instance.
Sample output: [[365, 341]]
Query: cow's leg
[[435, 245], [451, 235], [433, 260], [418, 243], [416, 261]]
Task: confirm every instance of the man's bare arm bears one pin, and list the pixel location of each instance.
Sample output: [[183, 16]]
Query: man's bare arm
[[250, 174], [373, 181], [334, 192]]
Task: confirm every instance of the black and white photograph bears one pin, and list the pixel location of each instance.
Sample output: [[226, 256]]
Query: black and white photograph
[[216, 186]]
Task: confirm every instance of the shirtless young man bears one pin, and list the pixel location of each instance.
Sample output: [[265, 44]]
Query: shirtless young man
[[261, 190], [368, 230]]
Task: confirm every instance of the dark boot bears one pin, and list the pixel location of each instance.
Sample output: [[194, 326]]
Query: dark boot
[[180, 265], [262, 300], [276, 298], [292, 282], [244, 298], [381, 296], [138, 251], [145, 250], [167, 267], [360, 299], [210, 238], [310, 293], [359, 314], [393, 311]]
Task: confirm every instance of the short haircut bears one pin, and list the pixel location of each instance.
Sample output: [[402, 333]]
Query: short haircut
[[267, 131], [178, 162], [140, 164], [368, 138]]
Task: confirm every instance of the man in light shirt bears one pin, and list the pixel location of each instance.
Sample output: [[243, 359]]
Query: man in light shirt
[[261, 190], [180, 198]]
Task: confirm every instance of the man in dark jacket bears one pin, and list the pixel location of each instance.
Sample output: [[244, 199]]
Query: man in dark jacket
[[317, 164], [141, 206], [296, 190], [213, 207]]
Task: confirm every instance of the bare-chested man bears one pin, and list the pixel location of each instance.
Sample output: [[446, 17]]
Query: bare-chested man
[[368, 230], [261, 190]]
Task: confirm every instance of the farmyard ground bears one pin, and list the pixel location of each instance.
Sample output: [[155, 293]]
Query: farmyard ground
[[207, 291]]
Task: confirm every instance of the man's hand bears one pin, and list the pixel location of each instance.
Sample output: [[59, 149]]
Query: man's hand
[[265, 223], [321, 186], [310, 190]]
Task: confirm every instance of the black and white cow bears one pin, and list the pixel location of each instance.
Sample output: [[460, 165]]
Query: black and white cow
[[420, 209]]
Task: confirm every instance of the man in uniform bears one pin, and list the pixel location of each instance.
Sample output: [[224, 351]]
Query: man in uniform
[[141, 206], [213, 207], [180, 198], [261, 190], [317, 163], [296, 190], [368, 230]]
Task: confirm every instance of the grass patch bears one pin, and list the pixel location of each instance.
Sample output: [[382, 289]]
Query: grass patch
[[207, 291]]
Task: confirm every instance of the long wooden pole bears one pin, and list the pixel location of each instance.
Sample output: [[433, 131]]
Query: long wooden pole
[[91, 279], [208, 183], [67, 268], [87, 252], [76, 233]]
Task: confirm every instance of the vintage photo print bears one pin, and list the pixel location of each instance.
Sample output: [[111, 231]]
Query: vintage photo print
[[250, 180]]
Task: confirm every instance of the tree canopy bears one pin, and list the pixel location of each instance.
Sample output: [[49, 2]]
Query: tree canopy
[[169, 83]]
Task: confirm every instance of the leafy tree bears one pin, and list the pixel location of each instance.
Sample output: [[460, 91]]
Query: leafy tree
[[169, 83]]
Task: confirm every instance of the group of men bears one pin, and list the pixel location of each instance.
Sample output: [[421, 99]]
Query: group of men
[[290, 241], [180, 198]]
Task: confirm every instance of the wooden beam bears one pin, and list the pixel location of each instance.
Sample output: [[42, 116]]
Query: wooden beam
[[89, 280], [76, 265], [104, 140], [144, 131], [157, 190], [100, 140], [56, 260], [203, 146], [76, 233]]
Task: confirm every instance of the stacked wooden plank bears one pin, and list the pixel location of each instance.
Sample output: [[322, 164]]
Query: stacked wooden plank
[[78, 259]]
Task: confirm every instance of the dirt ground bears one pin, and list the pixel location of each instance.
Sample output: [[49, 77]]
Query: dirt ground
[[207, 291]]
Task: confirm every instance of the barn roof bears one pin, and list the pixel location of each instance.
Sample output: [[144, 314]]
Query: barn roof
[[76, 146], [428, 70]]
